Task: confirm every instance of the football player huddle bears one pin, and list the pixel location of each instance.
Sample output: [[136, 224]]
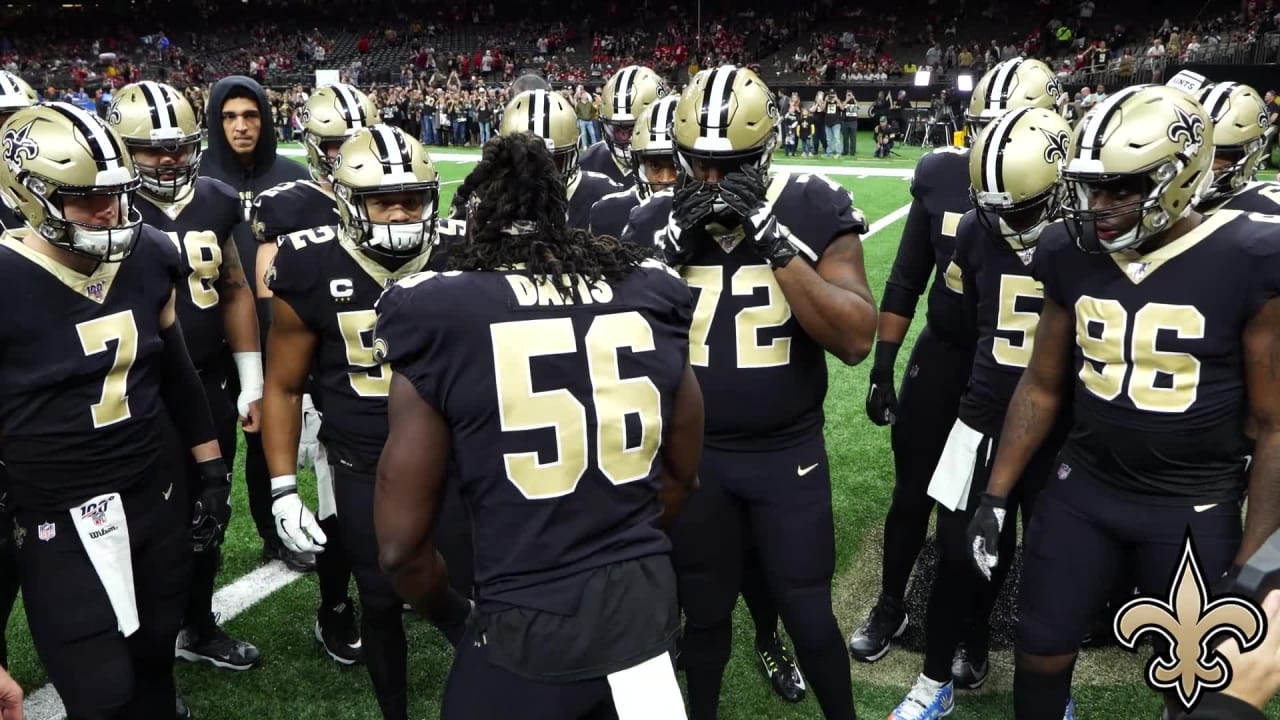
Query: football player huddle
[[527, 420]]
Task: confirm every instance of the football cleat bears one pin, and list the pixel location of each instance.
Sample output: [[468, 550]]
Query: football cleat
[[887, 621], [969, 671], [338, 633], [781, 670], [297, 562], [210, 644], [1070, 712], [928, 700], [180, 710]]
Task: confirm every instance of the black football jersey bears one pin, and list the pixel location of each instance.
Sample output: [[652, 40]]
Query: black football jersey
[[585, 191], [763, 377], [1003, 301], [556, 409], [1262, 197], [940, 197], [290, 207], [598, 159], [80, 370], [609, 214], [199, 227], [332, 286], [1160, 393]]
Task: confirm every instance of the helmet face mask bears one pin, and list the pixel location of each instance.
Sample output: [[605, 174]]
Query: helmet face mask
[[63, 170], [388, 192], [166, 181], [653, 160], [622, 100], [1015, 173], [1240, 129]]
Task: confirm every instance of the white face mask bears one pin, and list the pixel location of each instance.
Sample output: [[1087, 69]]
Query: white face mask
[[111, 245], [398, 237]]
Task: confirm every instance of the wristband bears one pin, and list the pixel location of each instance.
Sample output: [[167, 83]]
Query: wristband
[[282, 485], [249, 370]]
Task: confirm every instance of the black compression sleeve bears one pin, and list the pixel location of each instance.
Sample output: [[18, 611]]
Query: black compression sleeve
[[183, 392], [913, 265]]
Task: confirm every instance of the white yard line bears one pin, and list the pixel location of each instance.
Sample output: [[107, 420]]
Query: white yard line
[[886, 221], [230, 601]]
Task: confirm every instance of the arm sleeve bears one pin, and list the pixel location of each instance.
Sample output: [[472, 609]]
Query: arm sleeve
[[912, 266], [1216, 706], [182, 390]]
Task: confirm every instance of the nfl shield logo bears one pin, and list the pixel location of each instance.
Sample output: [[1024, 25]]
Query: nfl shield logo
[[1063, 471], [1138, 270], [46, 531]]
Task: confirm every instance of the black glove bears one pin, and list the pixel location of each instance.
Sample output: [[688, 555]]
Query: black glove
[[690, 207], [983, 535], [213, 506], [452, 620], [743, 191], [882, 401]]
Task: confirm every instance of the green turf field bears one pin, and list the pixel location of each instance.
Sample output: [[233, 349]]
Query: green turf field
[[296, 681]]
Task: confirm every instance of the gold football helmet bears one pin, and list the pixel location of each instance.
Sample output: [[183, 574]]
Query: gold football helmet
[[1015, 173], [1151, 143], [549, 116], [150, 116], [382, 160], [332, 114], [1239, 135], [15, 94], [627, 92], [725, 116], [1012, 84], [56, 151], [652, 139]]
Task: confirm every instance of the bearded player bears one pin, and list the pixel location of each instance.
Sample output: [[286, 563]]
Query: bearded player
[[776, 263], [923, 412], [1163, 366]]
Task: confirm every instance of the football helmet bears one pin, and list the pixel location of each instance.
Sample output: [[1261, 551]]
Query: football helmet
[[53, 151], [333, 114], [1239, 134], [652, 138], [1150, 141], [153, 115], [549, 116], [726, 115], [1015, 173], [377, 160], [1012, 84], [627, 92], [15, 94]]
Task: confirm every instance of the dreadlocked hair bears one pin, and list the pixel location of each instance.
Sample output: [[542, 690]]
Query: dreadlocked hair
[[516, 219]]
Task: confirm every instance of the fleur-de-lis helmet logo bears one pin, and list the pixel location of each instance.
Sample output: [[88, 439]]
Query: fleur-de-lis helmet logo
[[1190, 624], [18, 145], [1056, 149], [1188, 129]]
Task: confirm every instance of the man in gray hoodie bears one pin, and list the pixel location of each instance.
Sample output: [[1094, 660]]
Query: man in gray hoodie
[[242, 153]]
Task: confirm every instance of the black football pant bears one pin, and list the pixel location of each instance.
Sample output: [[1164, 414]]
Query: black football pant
[[937, 375], [257, 478], [1082, 534], [381, 609], [849, 138], [99, 673], [8, 567], [204, 565], [780, 501], [959, 594]]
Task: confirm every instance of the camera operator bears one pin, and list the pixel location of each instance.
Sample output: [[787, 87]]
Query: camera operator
[[885, 134], [882, 105], [849, 128]]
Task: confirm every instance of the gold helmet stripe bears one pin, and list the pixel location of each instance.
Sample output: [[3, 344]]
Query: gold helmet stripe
[[716, 100], [1095, 123], [394, 156], [622, 94], [106, 151], [355, 115], [163, 115], [992, 157]]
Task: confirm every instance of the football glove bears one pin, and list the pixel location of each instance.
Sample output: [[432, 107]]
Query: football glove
[[213, 506], [690, 208], [295, 524], [743, 191], [984, 533], [882, 400]]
